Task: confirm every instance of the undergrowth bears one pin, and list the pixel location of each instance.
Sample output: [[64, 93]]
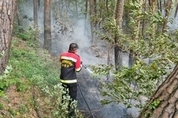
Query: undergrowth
[[33, 76]]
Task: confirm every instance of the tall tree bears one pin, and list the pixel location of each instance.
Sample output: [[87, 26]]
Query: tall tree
[[92, 5], [47, 25], [7, 13], [119, 18], [35, 12], [19, 17], [35, 16]]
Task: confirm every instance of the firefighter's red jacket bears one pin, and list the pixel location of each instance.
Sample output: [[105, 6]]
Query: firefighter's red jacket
[[70, 64]]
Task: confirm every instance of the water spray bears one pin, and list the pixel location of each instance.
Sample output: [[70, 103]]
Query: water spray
[[88, 69]]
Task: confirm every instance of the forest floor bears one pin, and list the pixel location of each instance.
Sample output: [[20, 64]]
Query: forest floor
[[20, 97], [16, 103]]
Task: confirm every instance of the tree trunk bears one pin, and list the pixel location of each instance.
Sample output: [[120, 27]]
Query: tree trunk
[[35, 13], [176, 11], [19, 18], [164, 102], [39, 3], [47, 25], [35, 16], [92, 4], [119, 13], [118, 16], [168, 6], [7, 13], [131, 58]]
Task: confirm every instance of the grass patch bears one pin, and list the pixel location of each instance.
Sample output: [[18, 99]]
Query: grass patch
[[32, 87]]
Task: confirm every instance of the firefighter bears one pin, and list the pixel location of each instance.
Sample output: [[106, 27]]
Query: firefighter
[[70, 64]]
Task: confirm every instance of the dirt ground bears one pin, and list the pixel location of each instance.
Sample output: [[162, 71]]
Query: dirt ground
[[17, 104]]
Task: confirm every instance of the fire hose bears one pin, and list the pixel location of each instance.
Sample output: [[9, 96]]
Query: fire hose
[[85, 101], [84, 97]]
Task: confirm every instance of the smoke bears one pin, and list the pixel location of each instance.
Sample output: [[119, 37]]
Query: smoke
[[66, 30], [81, 35]]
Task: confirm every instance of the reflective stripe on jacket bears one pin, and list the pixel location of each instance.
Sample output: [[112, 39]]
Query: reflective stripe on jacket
[[68, 81]]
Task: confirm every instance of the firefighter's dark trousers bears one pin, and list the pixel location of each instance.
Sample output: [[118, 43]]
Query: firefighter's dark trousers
[[72, 88]]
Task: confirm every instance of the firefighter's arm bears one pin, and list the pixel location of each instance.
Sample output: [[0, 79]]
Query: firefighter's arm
[[78, 65]]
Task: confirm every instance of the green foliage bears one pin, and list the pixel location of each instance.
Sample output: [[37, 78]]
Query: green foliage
[[54, 93], [140, 79], [151, 107], [1, 106], [154, 104], [26, 33], [154, 49], [28, 64], [6, 72], [23, 109], [21, 1], [60, 109], [110, 30], [13, 112], [33, 68], [4, 81], [2, 54]]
